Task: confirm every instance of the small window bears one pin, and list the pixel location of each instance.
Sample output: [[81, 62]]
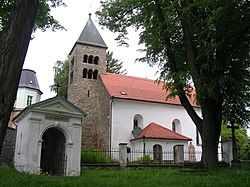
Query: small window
[[173, 127], [176, 126], [138, 121], [90, 60], [85, 58], [95, 73], [96, 60], [90, 72], [84, 73], [72, 63], [29, 100], [71, 77]]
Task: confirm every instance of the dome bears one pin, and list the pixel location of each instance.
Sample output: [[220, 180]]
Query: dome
[[29, 80]]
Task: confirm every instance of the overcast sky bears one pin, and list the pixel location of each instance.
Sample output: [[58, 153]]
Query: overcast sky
[[48, 47]]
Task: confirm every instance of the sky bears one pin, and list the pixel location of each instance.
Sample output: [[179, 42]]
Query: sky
[[48, 47]]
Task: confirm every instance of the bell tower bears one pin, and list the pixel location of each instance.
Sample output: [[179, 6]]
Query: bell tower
[[85, 89]]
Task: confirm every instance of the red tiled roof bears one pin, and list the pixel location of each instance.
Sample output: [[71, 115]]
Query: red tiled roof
[[135, 88], [155, 131]]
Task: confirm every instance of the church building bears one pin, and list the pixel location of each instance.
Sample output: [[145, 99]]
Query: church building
[[124, 109]]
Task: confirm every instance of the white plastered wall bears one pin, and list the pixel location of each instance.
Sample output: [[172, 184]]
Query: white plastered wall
[[123, 112]]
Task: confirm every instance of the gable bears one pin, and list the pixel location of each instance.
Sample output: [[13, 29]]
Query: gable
[[55, 105]]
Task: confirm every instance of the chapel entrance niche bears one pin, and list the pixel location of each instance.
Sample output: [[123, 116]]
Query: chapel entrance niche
[[157, 153], [53, 157]]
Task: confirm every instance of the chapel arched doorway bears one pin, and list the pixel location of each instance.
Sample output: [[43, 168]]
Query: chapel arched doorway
[[53, 157]]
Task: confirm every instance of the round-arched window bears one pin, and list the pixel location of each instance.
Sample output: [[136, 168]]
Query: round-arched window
[[138, 121], [176, 126]]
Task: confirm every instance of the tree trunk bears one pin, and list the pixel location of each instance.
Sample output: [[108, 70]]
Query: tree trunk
[[13, 49], [212, 118]]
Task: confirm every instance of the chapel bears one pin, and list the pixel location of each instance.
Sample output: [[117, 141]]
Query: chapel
[[121, 108]]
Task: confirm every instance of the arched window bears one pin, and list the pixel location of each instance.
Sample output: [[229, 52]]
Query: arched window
[[137, 125], [90, 60], [138, 121], [84, 73], [96, 60], [157, 153], [176, 126], [85, 58], [90, 72], [95, 73]]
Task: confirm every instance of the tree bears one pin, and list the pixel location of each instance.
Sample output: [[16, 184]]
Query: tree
[[17, 21], [61, 78], [113, 65], [62, 72], [204, 44]]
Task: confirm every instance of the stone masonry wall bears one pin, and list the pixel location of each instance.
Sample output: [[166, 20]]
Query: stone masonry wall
[[8, 151], [90, 96]]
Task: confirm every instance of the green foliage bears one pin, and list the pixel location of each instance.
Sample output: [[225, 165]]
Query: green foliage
[[61, 78], [145, 160], [44, 19], [95, 157], [129, 177], [242, 140], [113, 65]]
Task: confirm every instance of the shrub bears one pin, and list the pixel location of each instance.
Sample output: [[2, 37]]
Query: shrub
[[95, 157], [145, 160]]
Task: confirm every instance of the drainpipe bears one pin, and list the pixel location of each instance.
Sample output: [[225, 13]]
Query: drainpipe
[[110, 122]]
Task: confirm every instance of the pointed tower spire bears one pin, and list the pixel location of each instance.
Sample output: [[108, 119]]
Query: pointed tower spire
[[91, 36]]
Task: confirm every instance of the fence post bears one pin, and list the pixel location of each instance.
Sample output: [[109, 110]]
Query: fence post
[[123, 154], [179, 154]]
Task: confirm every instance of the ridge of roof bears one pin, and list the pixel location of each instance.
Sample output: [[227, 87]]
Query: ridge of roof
[[156, 131]]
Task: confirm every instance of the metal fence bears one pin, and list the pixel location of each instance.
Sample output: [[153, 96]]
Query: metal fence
[[163, 157], [139, 157], [100, 156]]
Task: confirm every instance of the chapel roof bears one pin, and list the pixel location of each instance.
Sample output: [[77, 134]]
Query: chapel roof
[[155, 131], [140, 89], [29, 80], [91, 36]]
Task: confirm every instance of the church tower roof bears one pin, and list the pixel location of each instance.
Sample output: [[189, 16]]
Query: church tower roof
[[91, 36]]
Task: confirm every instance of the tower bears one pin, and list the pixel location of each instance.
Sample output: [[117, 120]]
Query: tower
[[85, 89]]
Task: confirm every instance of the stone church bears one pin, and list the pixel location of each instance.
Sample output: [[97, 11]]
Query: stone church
[[123, 109]]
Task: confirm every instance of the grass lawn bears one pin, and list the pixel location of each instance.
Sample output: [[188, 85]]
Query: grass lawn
[[129, 177]]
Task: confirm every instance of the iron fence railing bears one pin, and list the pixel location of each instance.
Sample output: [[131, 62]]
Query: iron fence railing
[[140, 157], [100, 156]]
